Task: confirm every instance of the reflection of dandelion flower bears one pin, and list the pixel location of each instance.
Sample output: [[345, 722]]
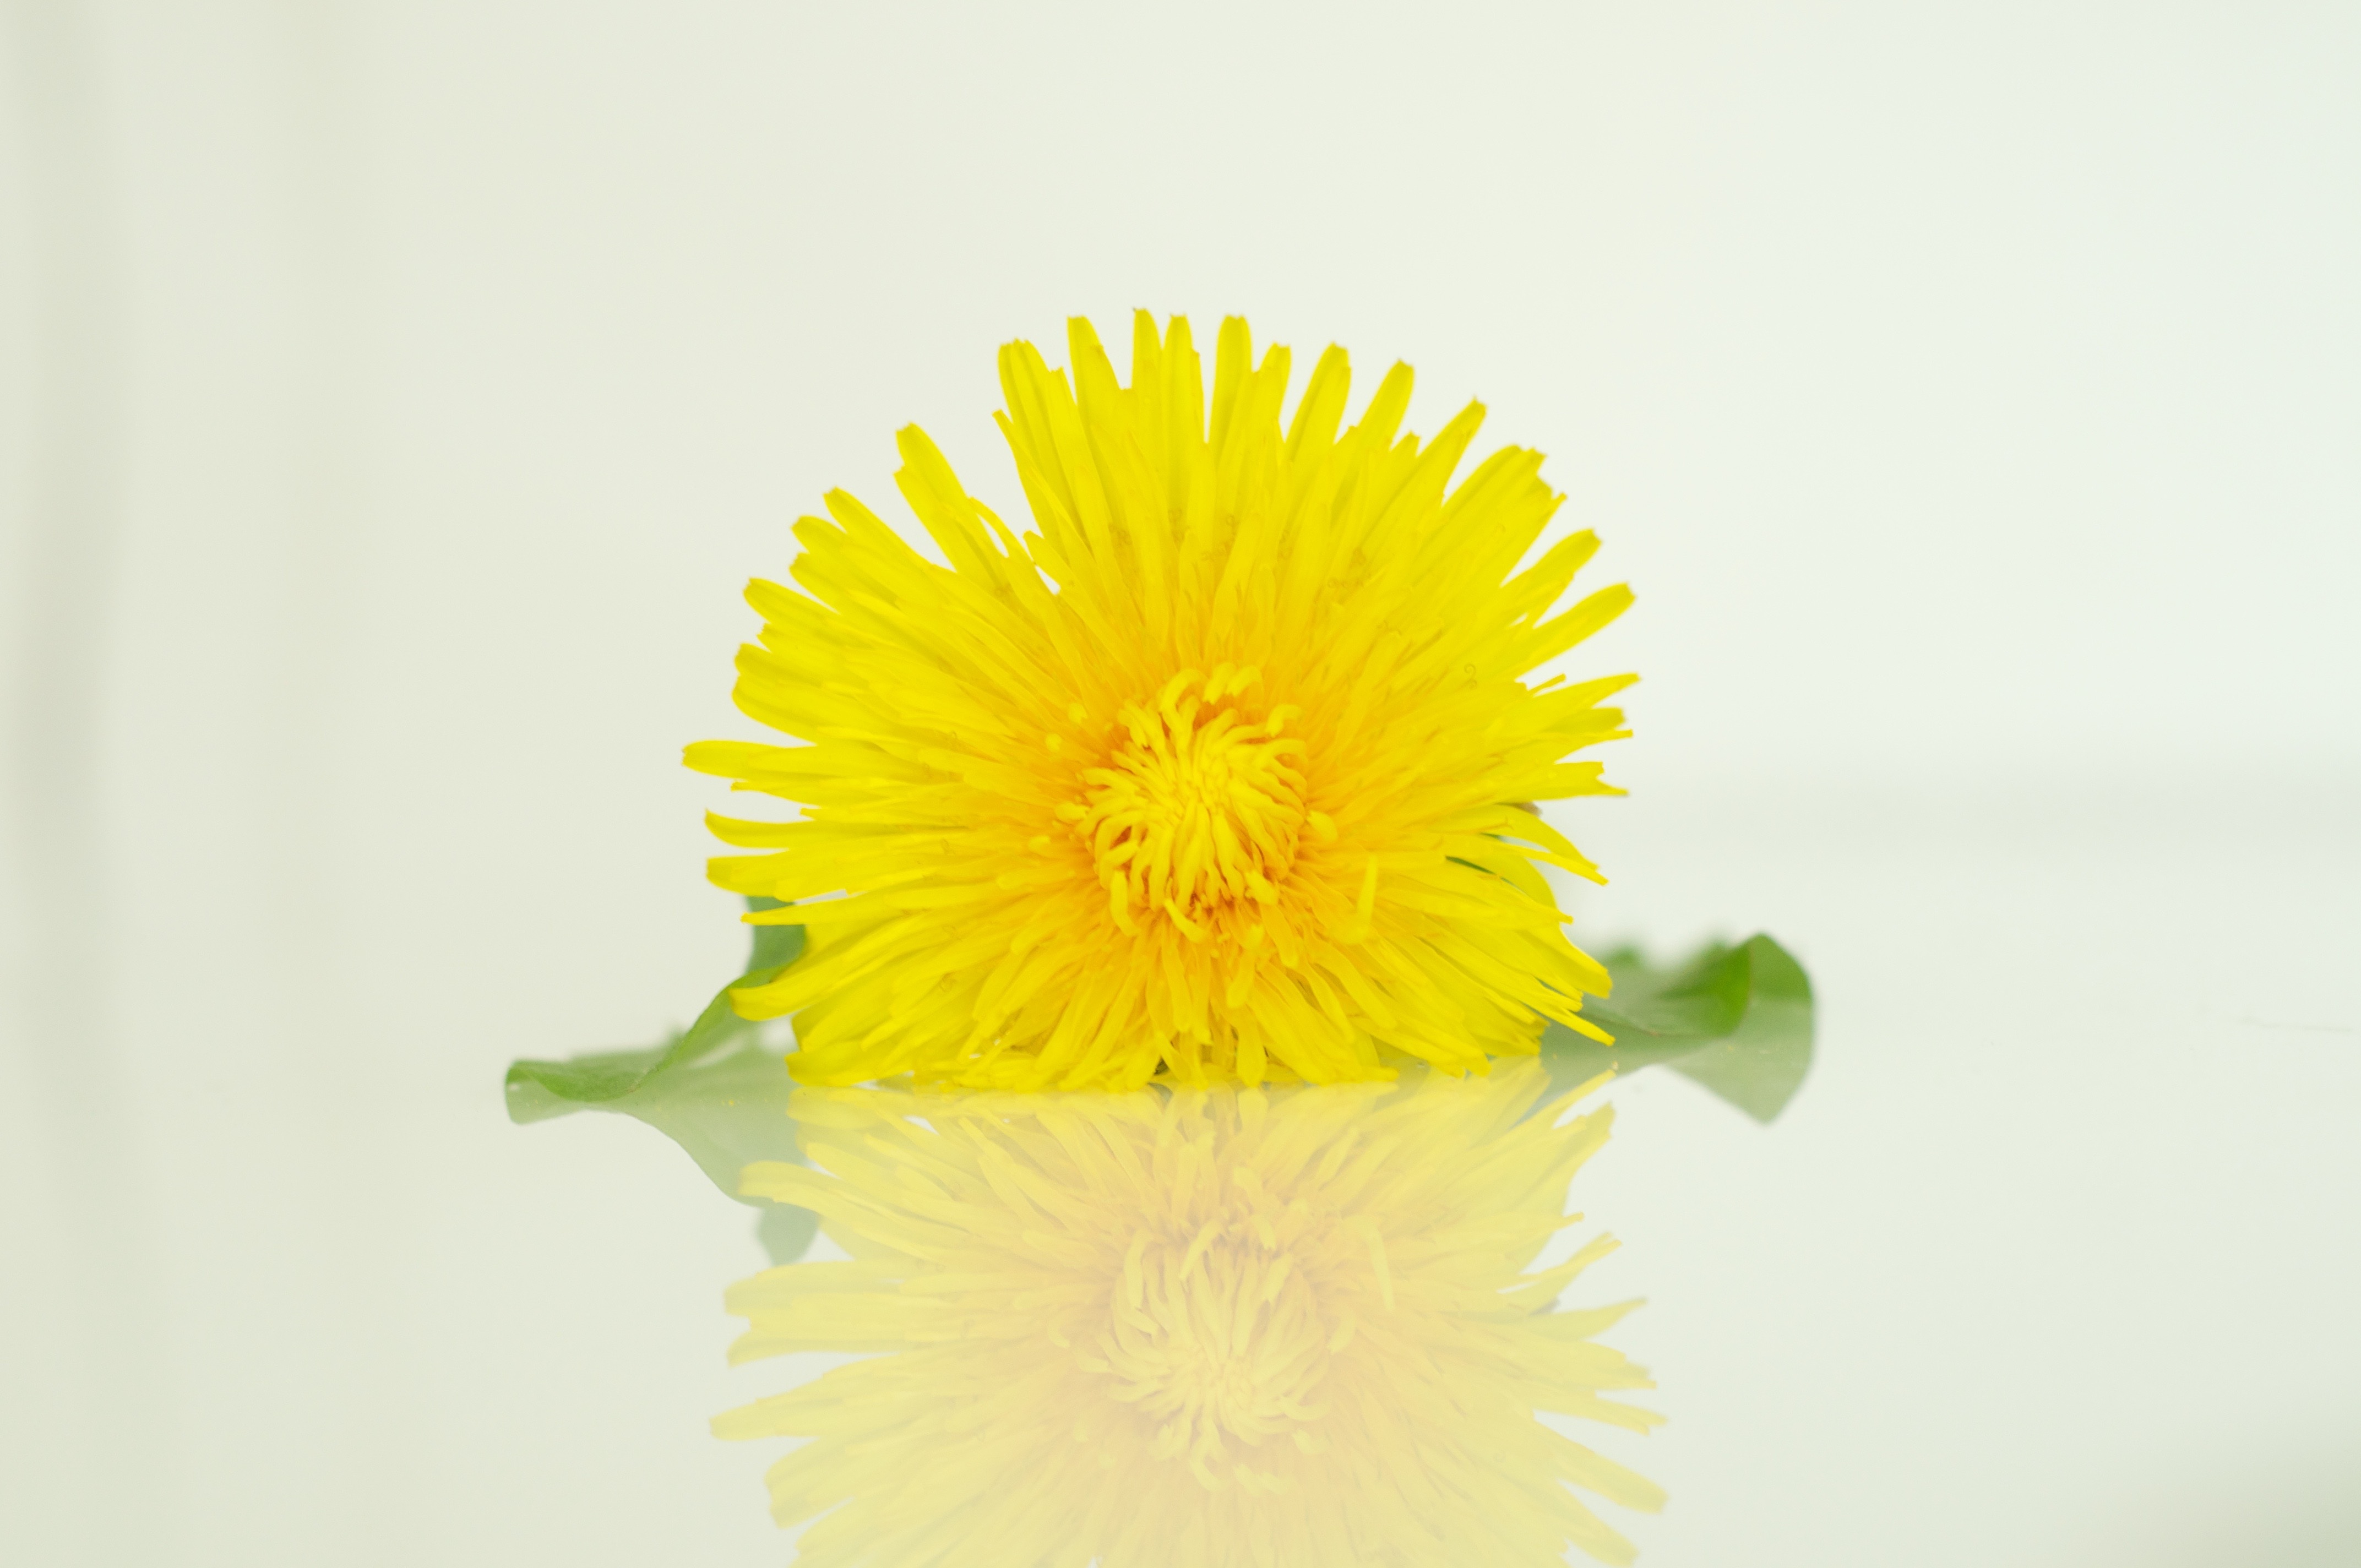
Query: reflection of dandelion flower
[[1204, 1328], [1235, 797]]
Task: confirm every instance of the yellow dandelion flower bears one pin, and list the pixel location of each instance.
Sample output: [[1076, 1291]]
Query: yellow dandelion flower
[[1206, 1327], [1214, 774]]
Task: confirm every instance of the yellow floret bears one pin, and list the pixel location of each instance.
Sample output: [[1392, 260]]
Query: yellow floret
[[1215, 773]]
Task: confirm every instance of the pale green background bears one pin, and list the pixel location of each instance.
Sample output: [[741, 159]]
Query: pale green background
[[394, 396]]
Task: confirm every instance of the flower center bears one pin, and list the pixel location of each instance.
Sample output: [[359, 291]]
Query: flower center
[[1217, 1345], [1200, 809]]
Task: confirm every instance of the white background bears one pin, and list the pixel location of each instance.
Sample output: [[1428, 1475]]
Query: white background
[[394, 397]]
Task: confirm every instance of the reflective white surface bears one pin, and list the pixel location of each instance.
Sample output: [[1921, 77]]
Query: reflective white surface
[[396, 397]]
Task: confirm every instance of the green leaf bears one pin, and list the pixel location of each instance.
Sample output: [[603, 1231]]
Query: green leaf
[[1738, 1020], [775, 946], [540, 1090], [716, 1089], [1760, 1066]]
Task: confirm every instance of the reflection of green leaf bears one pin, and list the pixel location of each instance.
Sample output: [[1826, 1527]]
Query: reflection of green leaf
[[1760, 1066], [785, 1230], [716, 1089], [1736, 1019]]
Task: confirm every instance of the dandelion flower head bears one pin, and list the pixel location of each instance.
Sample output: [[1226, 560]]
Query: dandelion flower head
[[1202, 1329], [1213, 773]]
